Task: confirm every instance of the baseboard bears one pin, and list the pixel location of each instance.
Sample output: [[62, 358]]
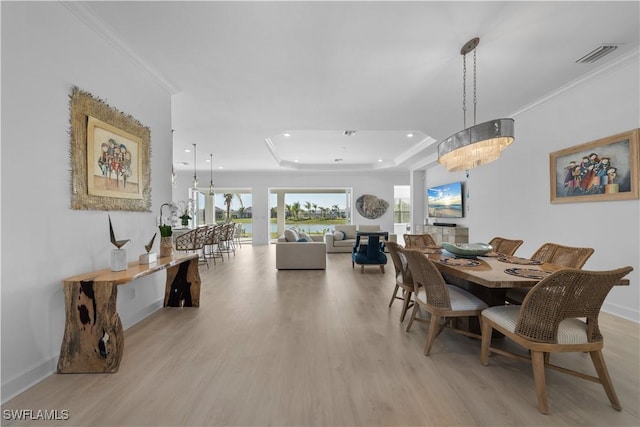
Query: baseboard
[[620, 311], [33, 376], [28, 379]]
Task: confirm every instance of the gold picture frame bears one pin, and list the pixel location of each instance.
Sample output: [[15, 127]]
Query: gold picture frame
[[110, 157], [601, 170]]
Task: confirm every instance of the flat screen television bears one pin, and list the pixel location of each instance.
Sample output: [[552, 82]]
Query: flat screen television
[[445, 201]]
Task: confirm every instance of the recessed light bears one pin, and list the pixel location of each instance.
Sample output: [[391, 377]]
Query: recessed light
[[287, 135], [220, 167], [380, 160], [409, 135], [183, 163], [208, 160], [295, 161], [187, 150]]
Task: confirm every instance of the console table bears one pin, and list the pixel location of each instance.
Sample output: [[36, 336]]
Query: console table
[[93, 340]]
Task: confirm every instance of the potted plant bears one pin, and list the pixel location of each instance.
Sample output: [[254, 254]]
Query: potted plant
[[185, 218], [185, 208], [166, 241]]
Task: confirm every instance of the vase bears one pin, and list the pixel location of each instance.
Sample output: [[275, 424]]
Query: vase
[[166, 246], [185, 221]]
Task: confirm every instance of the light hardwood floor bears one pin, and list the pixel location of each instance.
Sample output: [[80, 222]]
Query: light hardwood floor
[[306, 348]]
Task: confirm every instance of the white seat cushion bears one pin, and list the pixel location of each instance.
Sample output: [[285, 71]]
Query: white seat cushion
[[460, 299], [570, 331]]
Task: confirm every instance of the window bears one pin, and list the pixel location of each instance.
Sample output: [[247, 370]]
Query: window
[[314, 211]]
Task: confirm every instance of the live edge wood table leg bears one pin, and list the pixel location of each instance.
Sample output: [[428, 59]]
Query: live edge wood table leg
[[93, 335], [93, 340], [183, 285]]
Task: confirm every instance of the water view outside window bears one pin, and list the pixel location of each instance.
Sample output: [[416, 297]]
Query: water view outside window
[[234, 206], [312, 212]]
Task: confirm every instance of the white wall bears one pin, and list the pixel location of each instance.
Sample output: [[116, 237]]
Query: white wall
[[379, 184], [510, 197], [46, 50]]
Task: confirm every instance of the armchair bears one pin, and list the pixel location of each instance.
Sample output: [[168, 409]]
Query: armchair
[[371, 252]]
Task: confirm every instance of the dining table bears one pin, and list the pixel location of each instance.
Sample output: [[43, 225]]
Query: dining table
[[488, 277]]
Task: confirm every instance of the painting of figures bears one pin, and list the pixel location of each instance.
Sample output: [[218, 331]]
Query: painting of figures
[[606, 169], [113, 161]]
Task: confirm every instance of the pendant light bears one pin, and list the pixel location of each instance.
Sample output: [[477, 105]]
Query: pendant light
[[211, 193], [173, 170], [478, 144], [195, 178]]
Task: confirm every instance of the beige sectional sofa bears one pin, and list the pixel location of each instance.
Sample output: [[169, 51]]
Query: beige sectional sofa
[[335, 244], [294, 255]]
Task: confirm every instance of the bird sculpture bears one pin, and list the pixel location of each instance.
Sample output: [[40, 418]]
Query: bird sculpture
[[117, 243], [149, 245]]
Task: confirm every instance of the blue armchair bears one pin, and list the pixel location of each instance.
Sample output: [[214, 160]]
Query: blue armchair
[[371, 252]]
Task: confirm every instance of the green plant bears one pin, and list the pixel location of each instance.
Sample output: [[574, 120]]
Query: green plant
[[165, 231]]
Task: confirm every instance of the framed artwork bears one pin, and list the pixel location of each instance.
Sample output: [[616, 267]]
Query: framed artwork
[[110, 157], [602, 170]]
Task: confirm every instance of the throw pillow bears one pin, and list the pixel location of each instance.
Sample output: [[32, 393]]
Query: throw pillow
[[304, 236], [302, 239], [338, 235], [290, 235]]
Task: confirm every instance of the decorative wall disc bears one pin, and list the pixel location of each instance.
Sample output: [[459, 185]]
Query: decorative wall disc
[[370, 206]]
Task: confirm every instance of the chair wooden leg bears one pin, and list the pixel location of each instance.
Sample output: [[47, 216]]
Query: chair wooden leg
[[487, 330], [393, 297], [413, 316], [353, 264], [537, 361], [605, 379], [434, 331], [362, 269], [382, 268], [405, 305]]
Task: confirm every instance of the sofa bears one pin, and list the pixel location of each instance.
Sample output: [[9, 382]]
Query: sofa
[[298, 251], [344, 243]]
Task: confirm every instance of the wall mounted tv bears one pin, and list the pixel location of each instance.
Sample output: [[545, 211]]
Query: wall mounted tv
[[445, 201]]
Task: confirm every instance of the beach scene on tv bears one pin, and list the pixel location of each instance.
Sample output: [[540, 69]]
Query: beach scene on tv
[[445, 201]]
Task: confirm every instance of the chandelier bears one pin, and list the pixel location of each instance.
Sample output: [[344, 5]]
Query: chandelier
[[479, 144]]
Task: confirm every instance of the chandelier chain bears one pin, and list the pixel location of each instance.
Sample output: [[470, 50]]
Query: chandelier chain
[[475, 96], [464, 91]]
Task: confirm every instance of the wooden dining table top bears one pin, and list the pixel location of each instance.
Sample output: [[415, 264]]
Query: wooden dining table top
[[489, 271]]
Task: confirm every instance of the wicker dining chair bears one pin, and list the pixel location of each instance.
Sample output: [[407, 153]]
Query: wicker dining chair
[[552, 319], [441, 300], [404, 280], [418, 241], [505, 246], [553, 253]]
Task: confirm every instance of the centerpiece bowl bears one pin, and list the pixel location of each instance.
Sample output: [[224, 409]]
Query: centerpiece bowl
[[467, 250]]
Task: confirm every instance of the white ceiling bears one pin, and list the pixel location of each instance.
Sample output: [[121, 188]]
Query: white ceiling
[[242, 74]]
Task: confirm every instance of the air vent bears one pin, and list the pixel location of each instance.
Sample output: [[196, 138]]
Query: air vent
[[597, 53], [349, 132]]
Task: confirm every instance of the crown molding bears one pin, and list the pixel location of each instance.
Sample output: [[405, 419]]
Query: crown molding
[[104, 31], [604, 68]]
